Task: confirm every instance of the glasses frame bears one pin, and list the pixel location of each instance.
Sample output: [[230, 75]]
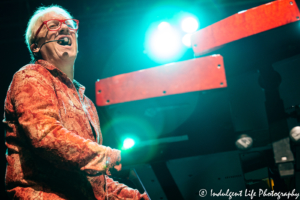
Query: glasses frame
[[61, 22]]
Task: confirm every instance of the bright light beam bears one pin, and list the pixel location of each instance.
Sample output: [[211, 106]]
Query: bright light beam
[[128, 143], [164, 43], [164, 26], [186, 40], [189, 24]]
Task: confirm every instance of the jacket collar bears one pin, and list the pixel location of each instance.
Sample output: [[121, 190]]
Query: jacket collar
[[62, 76]]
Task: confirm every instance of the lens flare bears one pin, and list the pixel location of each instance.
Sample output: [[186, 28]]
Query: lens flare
[[164, 26], [164, 44], [128, 143], [189, 24], [186, 40]]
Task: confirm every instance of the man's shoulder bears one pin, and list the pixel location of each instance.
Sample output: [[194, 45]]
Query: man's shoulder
[[30, 67], [33, 69]]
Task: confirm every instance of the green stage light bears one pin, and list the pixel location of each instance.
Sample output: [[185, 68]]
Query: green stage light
[[164, 43], [128, 143], [164, 26], [189, 24], [186, 40]]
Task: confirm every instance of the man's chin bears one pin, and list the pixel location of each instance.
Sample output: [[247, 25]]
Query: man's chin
[[64, 51], [67, 56]]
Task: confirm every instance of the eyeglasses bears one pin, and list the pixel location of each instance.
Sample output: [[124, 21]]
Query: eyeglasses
[[55, 24]]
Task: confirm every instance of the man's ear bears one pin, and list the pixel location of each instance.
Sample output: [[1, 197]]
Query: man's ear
[[34, 48]]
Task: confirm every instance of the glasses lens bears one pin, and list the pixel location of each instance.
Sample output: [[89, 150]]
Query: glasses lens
[[53, 24], [72, 24]]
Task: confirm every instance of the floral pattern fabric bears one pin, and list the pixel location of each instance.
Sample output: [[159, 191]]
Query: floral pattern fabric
[[52, 152]]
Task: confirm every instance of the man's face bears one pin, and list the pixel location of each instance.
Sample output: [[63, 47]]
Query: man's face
[[53, 51]]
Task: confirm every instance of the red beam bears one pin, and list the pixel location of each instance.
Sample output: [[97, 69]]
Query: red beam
[[175, 78], [244, 24]]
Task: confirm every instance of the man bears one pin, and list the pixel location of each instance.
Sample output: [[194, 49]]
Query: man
[[52, 129]]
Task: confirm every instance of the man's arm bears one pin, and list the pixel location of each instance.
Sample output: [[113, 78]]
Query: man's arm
[[35, 103]]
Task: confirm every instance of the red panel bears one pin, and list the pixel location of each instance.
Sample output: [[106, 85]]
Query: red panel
[[245, 23], [175, 78]]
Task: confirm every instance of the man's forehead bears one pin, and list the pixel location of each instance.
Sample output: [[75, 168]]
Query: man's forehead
[[52, 15]]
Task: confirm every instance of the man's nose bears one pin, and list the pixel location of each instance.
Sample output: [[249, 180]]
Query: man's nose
[[64, 30]]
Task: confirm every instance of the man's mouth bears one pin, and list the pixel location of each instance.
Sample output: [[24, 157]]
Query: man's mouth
[[64, 41]]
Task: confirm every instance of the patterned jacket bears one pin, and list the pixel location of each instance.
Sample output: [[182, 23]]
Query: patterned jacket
[[54, 140]]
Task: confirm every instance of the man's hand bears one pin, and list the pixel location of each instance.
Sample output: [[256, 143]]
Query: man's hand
[[113, 170], [118, 167]]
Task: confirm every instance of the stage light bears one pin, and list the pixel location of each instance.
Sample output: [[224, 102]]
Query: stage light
[[189, 24], [244, 142], [164, 44], [186, 40], [128, 143], [295, 134], [164, 26]]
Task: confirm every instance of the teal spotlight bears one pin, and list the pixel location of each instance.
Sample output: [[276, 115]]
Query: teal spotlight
[[164, 26], [189, 24], [164, 43], [128, 143], [186, 40]]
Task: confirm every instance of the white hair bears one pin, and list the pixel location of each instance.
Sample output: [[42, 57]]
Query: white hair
[[33, 24]]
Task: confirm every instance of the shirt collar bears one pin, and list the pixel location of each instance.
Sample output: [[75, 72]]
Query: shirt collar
[[80, 88], [62, 76]]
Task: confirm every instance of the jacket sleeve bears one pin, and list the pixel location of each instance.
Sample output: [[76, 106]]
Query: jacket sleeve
[[35, 104], [116, 190]]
